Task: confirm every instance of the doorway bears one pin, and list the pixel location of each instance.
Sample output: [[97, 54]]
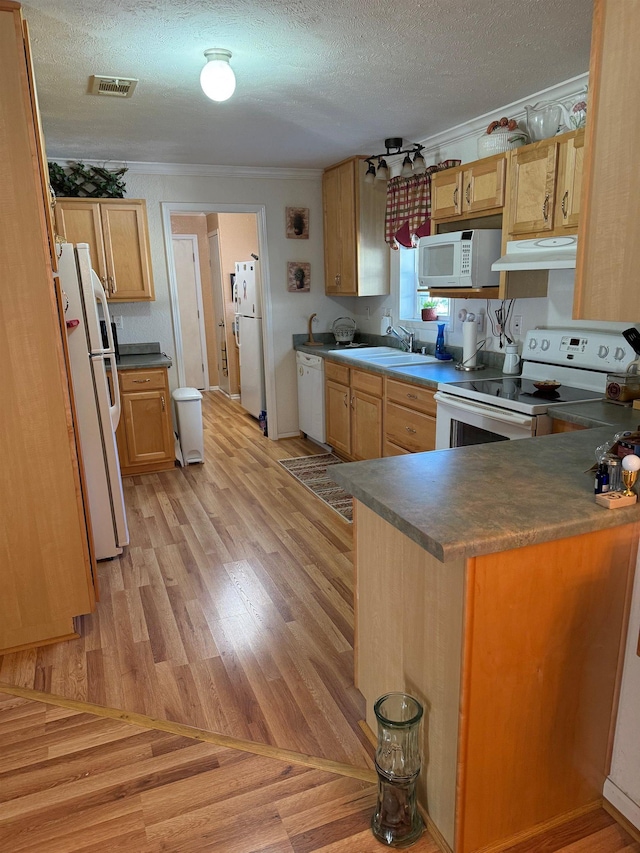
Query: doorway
[[226, 353], [189, 291]]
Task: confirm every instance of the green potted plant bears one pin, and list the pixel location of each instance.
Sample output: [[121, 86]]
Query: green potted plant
[[429, 309]]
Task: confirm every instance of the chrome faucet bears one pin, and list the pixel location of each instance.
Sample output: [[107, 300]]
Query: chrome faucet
[[406, 340]]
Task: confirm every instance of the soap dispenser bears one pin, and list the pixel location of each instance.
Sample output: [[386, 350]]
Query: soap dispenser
[[511, 365]]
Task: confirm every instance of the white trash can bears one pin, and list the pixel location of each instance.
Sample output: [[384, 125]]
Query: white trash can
[[188, 403]]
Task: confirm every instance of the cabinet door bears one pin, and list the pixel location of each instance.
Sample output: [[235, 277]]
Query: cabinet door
[[146, 416], [533, 188], [446, 194], [484, 185], [48, 196], [127, 254], [78, 221], [608, 248], [338, 416], [339, 205], [571, 157], [366, 426]]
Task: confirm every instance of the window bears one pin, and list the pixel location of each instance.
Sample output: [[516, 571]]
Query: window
[[413, 300]]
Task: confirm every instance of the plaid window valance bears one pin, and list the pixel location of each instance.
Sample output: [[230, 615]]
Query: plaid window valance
[[408, 211]]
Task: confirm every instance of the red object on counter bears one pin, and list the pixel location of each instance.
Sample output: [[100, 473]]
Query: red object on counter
[[71, 324]]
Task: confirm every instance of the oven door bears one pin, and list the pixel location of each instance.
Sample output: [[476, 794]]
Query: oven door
[[462, 422]]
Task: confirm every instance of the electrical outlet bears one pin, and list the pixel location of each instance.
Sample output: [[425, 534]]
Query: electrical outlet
[[118, 321], [517, 324], [480, 321]]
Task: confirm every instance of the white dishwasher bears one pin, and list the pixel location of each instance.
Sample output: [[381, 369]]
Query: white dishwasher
[[311, 395]]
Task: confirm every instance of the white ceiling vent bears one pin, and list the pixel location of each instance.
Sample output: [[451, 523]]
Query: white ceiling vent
[[118, 87]]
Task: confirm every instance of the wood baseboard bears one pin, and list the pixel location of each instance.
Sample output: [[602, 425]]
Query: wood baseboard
[[628, 827]]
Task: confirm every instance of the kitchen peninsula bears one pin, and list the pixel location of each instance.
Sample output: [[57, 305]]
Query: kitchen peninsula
[[492, 587]]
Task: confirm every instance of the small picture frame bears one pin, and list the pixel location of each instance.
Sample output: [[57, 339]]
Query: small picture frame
[[297, 219], [298, 277]]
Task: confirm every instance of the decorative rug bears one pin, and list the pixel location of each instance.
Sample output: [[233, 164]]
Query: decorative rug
[[311, 471]]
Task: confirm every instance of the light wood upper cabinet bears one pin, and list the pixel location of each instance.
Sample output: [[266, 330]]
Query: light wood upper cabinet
[[117, 233], [483, 185], [469, 190], [446, 193], [356, 257], [608, 246], [568, 197], [533, 187], [145, 432]]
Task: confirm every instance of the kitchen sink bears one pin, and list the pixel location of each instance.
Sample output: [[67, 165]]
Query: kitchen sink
[[386, 356], [403, 359]]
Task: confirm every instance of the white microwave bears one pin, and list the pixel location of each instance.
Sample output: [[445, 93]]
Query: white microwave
[[459, 259]]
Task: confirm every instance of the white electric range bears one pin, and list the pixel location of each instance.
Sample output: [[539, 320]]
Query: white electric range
[[477, 410]]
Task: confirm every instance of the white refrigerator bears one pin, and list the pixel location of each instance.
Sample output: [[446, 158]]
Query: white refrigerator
[[98, 416], [248, 331]]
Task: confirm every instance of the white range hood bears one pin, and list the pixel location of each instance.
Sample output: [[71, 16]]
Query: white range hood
[[541, 253]]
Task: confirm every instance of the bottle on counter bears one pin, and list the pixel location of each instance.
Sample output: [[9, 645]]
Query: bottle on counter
[[615, 473], [601, 484]]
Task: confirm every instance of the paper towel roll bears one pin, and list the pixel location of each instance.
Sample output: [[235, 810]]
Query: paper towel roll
[[469, 343]]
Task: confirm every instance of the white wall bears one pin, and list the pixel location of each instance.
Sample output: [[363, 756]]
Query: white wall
[[152, 321], [622, 788]]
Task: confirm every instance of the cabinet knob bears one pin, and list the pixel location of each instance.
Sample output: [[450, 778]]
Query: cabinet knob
[[140, 381], [352, 401], [455, 197], [338, 280], [346, 397], [467, 193], [162, 399], [410, 429], [112, 284], [563, 203], [412, 396]]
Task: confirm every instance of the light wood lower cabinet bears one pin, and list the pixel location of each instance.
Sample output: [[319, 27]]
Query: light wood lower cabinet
[[409, 418], [368, 416], [515, 657], [145, 432], [353, 411]]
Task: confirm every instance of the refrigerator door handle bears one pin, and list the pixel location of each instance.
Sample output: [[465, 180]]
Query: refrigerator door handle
[[114, 409], [236, 330], [101, 298]]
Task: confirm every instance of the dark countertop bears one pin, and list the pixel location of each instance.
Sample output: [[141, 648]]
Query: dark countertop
[[491, 497], [137, 356]]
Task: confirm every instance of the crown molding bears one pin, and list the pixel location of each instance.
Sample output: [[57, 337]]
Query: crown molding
[[567, 91], [138, 167]]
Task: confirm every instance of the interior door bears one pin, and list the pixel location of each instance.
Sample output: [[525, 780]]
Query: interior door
[[218, 308], [194, 356]]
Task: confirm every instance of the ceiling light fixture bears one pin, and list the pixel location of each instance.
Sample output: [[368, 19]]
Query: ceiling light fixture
[[217, 78], [394, 148]]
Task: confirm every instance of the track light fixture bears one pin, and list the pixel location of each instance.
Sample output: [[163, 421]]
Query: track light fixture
[[394, 148]]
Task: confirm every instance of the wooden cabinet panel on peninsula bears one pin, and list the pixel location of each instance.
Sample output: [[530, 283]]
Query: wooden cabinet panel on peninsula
[[145, 432], [45, 559], [118, 236], [608, 247], [356, 257], [353, 411]]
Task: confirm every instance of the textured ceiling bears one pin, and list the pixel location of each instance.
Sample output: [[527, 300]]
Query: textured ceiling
[[318, 80]]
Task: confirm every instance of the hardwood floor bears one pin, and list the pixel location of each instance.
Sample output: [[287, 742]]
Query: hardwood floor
[[230, 612], [232, 608]]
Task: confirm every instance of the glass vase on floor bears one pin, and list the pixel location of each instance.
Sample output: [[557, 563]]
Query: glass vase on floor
[[396, 821]]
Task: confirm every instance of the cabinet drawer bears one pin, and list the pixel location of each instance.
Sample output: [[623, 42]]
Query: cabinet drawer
[[389, 449], [409, 429], [151, 379], [411, 396], [370, 383], [336, 372]]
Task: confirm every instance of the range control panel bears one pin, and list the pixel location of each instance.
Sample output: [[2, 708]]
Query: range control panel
[[578, 348]]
